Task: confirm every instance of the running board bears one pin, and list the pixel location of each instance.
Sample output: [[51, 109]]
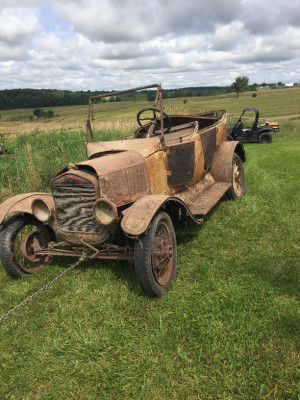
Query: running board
[[209, 198], [202, 196]]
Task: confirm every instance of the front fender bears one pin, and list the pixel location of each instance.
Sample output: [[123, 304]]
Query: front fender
[[22, 203], [137, 217]]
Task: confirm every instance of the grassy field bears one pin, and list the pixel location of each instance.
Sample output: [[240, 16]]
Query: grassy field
[[271, 103], [229, 328]]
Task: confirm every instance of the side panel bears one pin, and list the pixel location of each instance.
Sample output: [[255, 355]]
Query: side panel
[[208, 139], [221, 131], [125, 185], [157, 172], [199, 170]]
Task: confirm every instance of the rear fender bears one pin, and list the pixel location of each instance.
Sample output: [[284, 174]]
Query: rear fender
[[136, 219], [22, 203], [222, 163]]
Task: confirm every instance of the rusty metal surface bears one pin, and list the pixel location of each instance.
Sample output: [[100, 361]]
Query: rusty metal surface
[[113, 162], [31, 235], [90, 237], [74, 206], [143, 146], [222, 162], [181, 163], [74, 253], [77, 178], [208, 198], [126, 185], [190, 194], [74, 194], [22, 203], [106, 252], [122, 176], [222, 131], [155, 85], [208, 139], [137, 217]]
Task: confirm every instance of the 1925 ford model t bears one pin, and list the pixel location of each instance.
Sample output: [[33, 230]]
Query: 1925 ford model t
[[172, 167]]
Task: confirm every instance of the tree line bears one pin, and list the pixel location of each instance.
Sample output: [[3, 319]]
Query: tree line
[[38, 98]]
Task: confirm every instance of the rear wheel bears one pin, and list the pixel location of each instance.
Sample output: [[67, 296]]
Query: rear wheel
[[238, 179], [265, 138], [155, 256], [19, 236]]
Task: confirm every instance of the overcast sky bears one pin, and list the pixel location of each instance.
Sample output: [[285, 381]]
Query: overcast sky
[[116, 44]]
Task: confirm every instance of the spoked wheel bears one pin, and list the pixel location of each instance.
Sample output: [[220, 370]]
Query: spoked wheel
[[155, 256], [238, 178], [20, 236]]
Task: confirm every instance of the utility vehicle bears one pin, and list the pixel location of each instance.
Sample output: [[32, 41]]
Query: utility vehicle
[[247, 128]]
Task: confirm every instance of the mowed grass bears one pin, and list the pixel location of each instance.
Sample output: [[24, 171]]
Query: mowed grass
[[228, 329]]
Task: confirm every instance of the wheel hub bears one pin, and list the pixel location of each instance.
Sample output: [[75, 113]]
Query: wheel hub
[[29, 244]]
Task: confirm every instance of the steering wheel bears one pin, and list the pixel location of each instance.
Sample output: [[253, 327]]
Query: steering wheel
[[151, 124]]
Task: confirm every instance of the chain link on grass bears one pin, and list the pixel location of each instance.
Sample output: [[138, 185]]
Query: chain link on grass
[[42, 289]]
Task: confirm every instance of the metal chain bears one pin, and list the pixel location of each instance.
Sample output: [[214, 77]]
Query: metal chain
[[33, 295]]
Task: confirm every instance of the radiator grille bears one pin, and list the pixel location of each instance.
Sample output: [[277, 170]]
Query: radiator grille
[[74, 208]]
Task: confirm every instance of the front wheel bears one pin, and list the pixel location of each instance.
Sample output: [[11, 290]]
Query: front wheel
[[237, 178], [155, 256], [20, 235]]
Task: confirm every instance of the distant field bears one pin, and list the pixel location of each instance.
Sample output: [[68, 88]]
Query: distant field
[[271, 103], [230, 327]]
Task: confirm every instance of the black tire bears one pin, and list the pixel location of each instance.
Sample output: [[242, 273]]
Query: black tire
[[16, 238], [155, 256], [265, 138], [237, 187], [229, 138]]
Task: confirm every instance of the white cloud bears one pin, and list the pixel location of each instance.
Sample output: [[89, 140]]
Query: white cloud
[[128, 20], [17, 24], [105, 44]]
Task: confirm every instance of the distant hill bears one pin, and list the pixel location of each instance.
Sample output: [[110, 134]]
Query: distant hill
[[36, 98]]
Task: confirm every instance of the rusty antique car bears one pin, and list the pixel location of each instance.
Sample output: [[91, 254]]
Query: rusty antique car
[[122, 201]]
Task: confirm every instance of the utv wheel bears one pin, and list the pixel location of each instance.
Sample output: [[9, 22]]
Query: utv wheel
[[238, 179], [17, 239], [265, 138], [155, 256]]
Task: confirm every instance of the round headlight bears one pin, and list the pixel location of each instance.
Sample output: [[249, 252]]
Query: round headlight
[[40, 210], [105, 211]]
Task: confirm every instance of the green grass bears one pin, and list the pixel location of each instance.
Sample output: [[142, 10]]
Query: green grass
[[229, 328]]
